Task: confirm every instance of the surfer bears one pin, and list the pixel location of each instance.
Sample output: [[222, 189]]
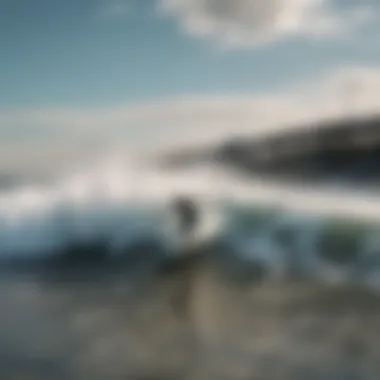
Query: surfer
[[187, 215]]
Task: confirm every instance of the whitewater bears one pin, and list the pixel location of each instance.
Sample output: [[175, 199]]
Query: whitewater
[[117, 199], [123, 201]]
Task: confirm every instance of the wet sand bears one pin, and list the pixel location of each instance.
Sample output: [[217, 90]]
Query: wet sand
[[207, 327]]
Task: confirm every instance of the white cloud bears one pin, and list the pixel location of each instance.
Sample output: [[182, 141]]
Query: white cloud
[[251, 22], [67, 133]]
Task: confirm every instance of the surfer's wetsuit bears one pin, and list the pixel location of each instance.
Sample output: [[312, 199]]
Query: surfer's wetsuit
[[186, 216], [187, 213]]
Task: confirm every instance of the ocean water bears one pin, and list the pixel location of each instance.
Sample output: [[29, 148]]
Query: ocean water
[[117, 204], [113, 200], [278, 307]]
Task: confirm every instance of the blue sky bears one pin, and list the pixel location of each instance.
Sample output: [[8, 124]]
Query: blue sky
[[93, 53], [108, 55]]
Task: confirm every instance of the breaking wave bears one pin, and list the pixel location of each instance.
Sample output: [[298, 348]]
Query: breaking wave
[[115, 201], [122, 203]]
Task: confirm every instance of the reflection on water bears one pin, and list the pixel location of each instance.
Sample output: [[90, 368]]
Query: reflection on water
[[119, 327]]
